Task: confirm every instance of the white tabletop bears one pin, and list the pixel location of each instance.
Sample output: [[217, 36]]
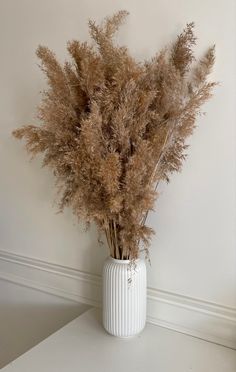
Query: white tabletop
[[83, 345]]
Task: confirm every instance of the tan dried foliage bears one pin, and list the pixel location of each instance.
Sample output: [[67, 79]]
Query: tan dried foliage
[[112, 128]]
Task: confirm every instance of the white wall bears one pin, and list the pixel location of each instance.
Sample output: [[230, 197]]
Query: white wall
[[193, 252]]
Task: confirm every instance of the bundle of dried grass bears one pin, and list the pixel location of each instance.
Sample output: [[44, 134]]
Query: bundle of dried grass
[[112, 128]]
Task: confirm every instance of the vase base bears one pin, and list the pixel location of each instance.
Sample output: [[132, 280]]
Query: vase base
[[125, 337]]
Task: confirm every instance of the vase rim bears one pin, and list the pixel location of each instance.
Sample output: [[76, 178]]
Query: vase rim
[[122, 261]]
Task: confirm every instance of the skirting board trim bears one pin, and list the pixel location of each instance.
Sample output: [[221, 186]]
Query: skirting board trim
[[206, 320]]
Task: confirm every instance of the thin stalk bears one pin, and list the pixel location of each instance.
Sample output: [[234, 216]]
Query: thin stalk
[[115, 237], [162, 153], [109, 242]]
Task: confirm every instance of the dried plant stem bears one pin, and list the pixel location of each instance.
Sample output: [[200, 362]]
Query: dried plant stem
[[109, 241], [115, 238], [165, 146], [112, 240]]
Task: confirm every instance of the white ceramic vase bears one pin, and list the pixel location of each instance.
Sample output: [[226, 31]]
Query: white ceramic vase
[[124, 297]]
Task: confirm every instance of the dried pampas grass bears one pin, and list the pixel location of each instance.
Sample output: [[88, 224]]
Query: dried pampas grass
[[112, 128]]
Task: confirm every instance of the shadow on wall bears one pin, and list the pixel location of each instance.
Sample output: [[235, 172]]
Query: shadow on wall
[[28, 316]]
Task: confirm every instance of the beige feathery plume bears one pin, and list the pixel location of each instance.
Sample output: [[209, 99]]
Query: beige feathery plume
[[112, 128]]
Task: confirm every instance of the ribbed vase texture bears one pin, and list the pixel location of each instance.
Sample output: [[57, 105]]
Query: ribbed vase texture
[[124, 297]]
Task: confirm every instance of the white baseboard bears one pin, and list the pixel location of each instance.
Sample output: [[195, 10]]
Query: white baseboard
[[202, 319]]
